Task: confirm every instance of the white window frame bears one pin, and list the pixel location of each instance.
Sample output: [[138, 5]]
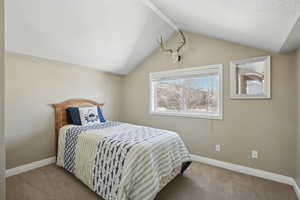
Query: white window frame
[[218, 68]]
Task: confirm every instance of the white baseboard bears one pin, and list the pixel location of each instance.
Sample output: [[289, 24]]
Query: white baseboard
[[30, 166], [296, 188], [246, 170]]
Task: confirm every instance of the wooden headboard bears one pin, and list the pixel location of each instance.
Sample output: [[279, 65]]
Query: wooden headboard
[[61, 117]]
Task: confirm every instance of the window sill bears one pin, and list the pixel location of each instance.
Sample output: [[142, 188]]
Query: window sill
[[188, 115]]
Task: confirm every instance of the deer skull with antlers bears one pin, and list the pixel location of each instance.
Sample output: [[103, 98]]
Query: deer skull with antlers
[[174, 52]]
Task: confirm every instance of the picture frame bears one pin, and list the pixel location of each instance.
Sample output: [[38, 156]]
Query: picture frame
[[251, 78]]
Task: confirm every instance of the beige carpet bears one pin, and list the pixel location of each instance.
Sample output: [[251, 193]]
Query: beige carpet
[[200, 182]]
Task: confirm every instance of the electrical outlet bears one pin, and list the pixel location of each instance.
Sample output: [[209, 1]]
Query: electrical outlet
[[218, 147], [254, 154]]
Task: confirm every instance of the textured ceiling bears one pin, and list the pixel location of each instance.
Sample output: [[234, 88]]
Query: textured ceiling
[[109, 35], [264, 24], [115, 36], [293, 40]]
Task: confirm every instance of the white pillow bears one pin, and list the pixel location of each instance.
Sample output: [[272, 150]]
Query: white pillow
[[89, 115]]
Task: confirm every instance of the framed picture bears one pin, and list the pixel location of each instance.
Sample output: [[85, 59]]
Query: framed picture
[[250, 78]]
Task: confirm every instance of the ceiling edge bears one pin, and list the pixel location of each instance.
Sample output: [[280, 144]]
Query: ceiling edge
[[48, 59], [292, 41], [159, 13]]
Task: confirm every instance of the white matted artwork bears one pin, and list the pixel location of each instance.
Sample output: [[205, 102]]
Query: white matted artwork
[[251, 78]]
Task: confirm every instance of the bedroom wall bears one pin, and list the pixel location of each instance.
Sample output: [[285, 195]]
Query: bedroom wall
[[268, 126], [32, 85], [2, 106], [297, 176]]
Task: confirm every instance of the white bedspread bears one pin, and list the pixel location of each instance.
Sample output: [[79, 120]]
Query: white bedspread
[[121, 161]]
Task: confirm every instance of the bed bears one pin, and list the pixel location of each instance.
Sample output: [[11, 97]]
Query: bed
[[118, 161]]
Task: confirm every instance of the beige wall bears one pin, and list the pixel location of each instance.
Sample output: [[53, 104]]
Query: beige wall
[[268, 126], [297, 176], [2, 107], [32, 84]]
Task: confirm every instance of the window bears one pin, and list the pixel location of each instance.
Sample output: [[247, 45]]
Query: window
[[193, 92]]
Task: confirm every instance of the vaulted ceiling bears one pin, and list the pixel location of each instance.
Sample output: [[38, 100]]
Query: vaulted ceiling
[[109, 35], [264, 24], [115, 35]]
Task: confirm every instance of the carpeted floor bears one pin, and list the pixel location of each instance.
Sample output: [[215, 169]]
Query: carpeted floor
[[200, 182]]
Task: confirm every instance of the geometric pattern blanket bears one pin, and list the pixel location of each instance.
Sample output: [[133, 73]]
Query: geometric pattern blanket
[[120, 161]]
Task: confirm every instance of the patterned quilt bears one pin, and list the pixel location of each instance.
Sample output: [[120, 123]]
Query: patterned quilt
[[121, 161]]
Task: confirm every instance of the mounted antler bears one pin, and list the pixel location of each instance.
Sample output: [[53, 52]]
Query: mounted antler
[[183, 42], [174, 52], [162, 46]]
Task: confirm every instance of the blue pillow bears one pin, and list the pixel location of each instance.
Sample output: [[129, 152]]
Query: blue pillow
[[100, 114], [74, 115]]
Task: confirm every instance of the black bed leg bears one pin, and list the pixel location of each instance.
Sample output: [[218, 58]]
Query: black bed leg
[[185, 166]]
